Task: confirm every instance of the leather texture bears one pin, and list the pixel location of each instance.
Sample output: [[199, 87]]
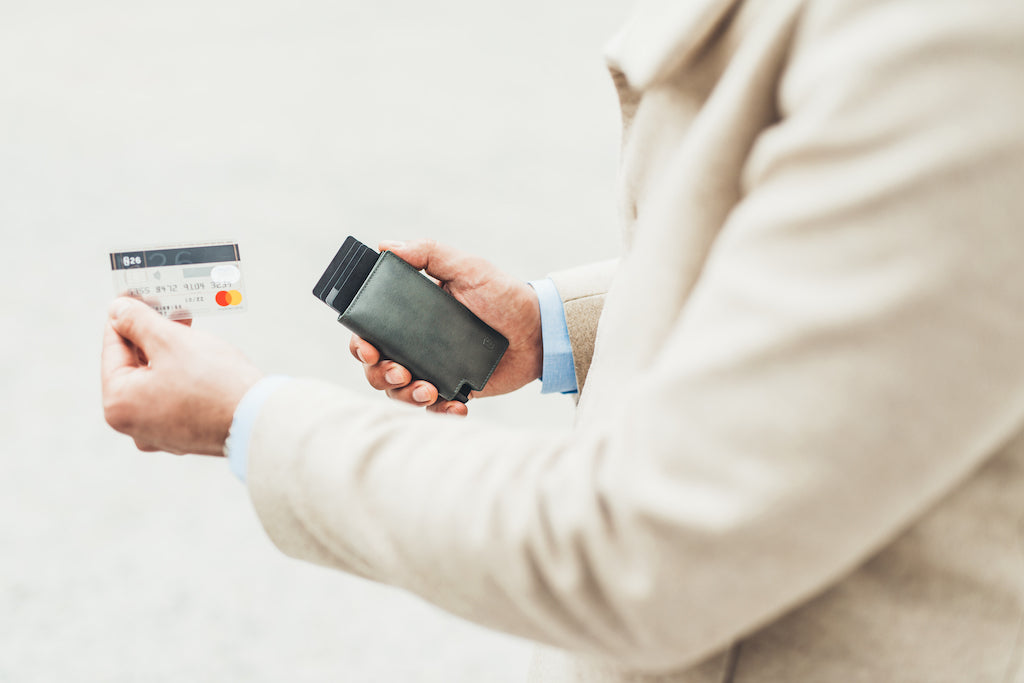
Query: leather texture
[[414, 322]]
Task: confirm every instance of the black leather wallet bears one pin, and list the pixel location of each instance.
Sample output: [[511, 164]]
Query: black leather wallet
[[410, 320]]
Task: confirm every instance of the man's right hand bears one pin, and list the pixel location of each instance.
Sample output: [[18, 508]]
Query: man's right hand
[[508, 305]]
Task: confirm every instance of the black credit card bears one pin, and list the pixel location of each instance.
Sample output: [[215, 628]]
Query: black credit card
[[348, 270]]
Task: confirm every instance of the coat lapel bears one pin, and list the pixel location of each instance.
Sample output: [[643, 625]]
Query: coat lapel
[[662, 35]]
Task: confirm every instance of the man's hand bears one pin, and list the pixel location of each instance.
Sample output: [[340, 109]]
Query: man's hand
[[508, 305], [167, 386]]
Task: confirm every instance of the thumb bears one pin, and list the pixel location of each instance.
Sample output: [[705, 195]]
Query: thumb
[[439, 260], [140, 324]]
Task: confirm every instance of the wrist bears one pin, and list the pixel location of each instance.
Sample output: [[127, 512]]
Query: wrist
[[229, 408], [535, 339], [236, 446]]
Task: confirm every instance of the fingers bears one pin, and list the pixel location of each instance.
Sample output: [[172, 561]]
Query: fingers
[[118, 360], [117, 354], [418, 393], [396, 382], [382, 375], [424, 394], [390, 377], [140, 324], [145, 446], [439, 260], [450, 408], [362, 351], [386, 375]]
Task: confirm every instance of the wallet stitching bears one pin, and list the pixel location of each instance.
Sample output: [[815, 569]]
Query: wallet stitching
[[462, 380]]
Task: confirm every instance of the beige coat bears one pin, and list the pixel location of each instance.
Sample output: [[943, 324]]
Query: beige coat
[[798, 455]]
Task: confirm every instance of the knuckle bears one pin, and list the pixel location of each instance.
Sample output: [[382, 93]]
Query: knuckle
[[424, 392], [374, 377], [395, 375], [401, 395], [125, 327], [145, 447], [365, 353], [118, 415]]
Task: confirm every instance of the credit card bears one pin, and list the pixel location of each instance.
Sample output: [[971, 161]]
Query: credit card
[[346, 273], [355, 274], [182, 281]]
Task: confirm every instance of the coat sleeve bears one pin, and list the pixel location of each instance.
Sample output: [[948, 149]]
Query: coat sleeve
[[852, 351], [582, 292]]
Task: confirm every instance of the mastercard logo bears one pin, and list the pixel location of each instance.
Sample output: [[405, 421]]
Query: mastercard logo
[[228, 297]]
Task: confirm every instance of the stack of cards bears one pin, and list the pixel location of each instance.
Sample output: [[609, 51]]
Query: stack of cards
[[343, 278]]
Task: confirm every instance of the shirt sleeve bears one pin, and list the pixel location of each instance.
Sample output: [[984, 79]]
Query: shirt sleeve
[[559, 372], [236, 447]]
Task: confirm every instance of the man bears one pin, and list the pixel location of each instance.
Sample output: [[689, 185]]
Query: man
[[798, 452]]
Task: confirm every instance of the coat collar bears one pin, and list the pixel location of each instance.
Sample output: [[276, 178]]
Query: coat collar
[[661, 35]]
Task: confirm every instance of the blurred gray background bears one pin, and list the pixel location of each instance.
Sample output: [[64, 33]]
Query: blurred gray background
[[285, 126]]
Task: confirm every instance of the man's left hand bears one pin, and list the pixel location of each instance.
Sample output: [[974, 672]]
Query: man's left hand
[[167, 386]]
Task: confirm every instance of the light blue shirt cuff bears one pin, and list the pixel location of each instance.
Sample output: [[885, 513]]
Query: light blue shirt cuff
[[237, 445], [559, 372]]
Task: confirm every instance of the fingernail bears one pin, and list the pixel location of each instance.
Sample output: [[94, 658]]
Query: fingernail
[[421, 394], [388, 245], [359, 355], [394, 376]]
